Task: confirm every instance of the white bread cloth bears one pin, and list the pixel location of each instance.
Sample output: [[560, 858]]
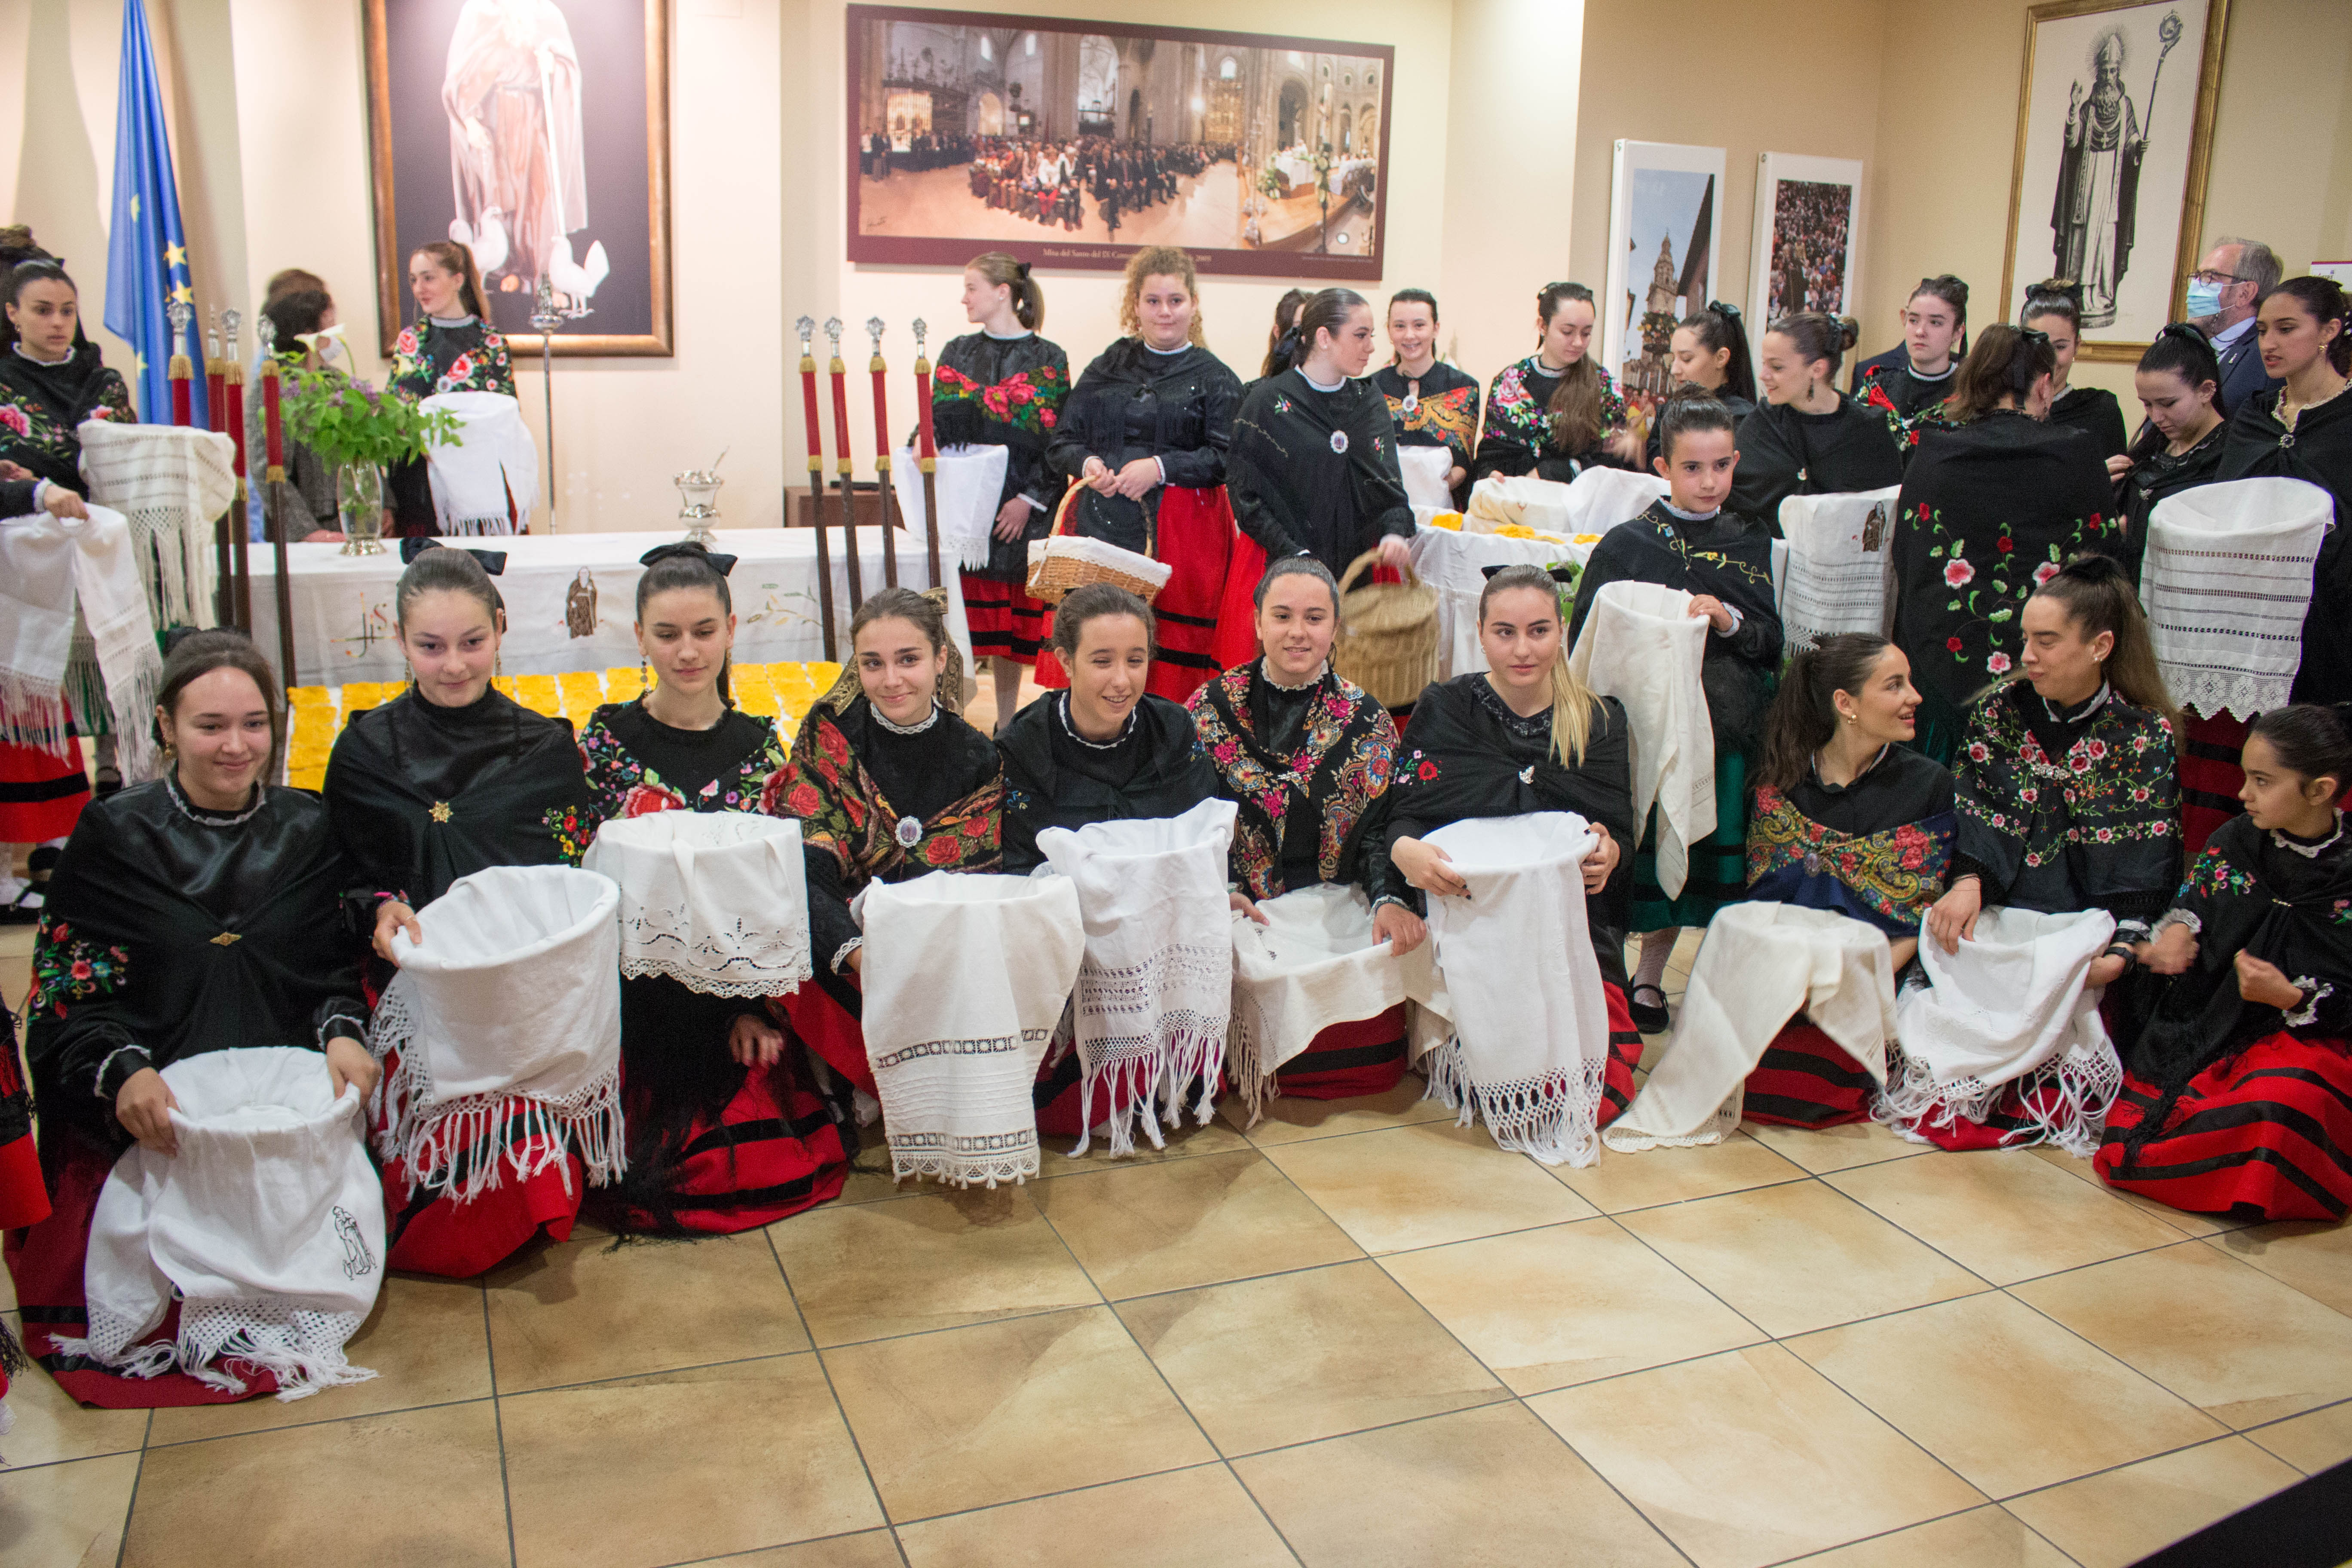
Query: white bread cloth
[[171, 481], [970, 482], [2226, 579], [1425, 470], [52, 571], [1315, 962], [493, 459], [718, 901], [1836, 579], [1641, 645]]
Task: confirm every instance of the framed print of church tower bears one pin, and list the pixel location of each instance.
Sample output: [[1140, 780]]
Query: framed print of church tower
[[1664, 203]]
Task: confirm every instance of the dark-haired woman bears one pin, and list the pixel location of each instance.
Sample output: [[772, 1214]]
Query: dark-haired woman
[[1003, 386], [1990, 509], [1690, 540], [888, 783], [2238, 1094], [1556, 413], [1807, 438], [1434, 404], [201, 912], [448, 778], [300, 318], [453, 348], [2303, 431], [2054, 310], [724, 1130], [1918, 374], [1708, 351]]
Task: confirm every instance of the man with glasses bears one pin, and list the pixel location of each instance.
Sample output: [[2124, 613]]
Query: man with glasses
[[2222, 294]]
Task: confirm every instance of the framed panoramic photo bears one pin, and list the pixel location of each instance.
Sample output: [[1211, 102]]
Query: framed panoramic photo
[[2114, 130], [1807, 238], [1662, 201], [536, 132], [1073, 143]]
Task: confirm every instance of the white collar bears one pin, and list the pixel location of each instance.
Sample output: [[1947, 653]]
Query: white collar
[[2229, 335], [1165, 353], [47, 364], [1062, 712], [884, 720], [1917, 374], [1308, 684], [1318, 385], [1690, 516], [1006, 336], [2308, 851], [466, 320]]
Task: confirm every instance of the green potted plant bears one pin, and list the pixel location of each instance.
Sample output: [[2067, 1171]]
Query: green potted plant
[[360, 431]]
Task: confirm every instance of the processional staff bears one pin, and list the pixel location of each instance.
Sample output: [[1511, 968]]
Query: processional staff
[[236, 565], [882, 456], [180, 369], [273, 504], [841, 464], [215, 409], [805, 326], [926, 455]]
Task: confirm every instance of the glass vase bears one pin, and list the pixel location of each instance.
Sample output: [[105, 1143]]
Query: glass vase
[[359, 495]]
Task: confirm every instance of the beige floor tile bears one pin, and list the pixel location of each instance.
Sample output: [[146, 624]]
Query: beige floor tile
[[714, 1460], [1479, 1487], [1751, 1457], [1426, 1186], [870, 1180], [2233, 1342], [66, 1516], [1981, 1537], [2111, 1520], [1568, 1303], [1800, 1257], [2311, 1442], [415, 1488], [930, 1262], [2001, 1214], [2002, 1394], [1826, 1149], [868, 1549], [997, 1412], [583, 1310], [1301, 1356], [1293, 1119], [1219, 1137], [2178, 1219], [50, 1426], [1617, 1182], [2317, 1260], [425, 1341], [1185, 1223], [1178, 1520]]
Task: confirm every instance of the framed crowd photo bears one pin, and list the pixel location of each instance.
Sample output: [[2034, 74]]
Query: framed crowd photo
[[1662, 202], [2115, 135], [1073, 143], [1807, 238], [537, 134]]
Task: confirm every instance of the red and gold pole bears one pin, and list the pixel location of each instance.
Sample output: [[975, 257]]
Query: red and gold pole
[[882, 456], [805, 326], [840, 373], [925, 454]]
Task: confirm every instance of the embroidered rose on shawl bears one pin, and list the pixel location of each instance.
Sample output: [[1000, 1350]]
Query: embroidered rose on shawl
[[1998, 663], [570, 831], [1959, 574], [1911, 847], [66, 969], [1426, 772], [2043, 573], [642, 799], [13, 419], [942, 851], [1953, 644], [1977, 751]]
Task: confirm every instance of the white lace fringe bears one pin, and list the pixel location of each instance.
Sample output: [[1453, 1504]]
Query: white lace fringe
[[35, 711], [1553, 1118], [1162, 1071], [2066, 1099], [302, 1349], [956, 1170], [1252, 1078]]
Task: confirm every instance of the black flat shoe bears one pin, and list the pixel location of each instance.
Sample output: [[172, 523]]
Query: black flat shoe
[[1650, 1020]]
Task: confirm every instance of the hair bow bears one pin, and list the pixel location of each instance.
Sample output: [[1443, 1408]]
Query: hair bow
[[1729, 312], [723, 565], [493, 562], [1556, 571]]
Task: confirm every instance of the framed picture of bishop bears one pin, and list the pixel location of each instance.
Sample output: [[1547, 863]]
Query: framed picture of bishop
[[2114, 128]]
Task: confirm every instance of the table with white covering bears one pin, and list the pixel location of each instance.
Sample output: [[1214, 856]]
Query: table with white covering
[[1453, 563], [572, 600]]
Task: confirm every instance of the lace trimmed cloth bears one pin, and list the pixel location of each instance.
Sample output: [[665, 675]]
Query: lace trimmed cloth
[[970, 484], [1836, 580], [715, 901], [487, 481], [2226, 579], [1313, 963], [60, 578], [170, 482]]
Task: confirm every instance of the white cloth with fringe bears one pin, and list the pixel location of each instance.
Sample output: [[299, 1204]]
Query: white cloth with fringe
[[493, 460], [2226, 580], [1156, 989], [267, 1226], [1315, 962], [970, 482], [1509, 970], [1835, 578], [1425, 470], [53, 570], [1641, 645], [2009, 1008], [716, 900], [507, 1025], [1761, 965], [171, 482], [965, 975]]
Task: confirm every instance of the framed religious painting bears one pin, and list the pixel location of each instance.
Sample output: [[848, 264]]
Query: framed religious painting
[[2115, 133], [1074, 143], [536, 133], [1662, 203], [1807, 238]]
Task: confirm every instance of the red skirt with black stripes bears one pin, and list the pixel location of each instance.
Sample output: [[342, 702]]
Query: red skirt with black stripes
[[2266, 1134], [1348, 1060], [1807, 1079], [41, 792], [1195, 541], [2211, 772], [1005, 622]]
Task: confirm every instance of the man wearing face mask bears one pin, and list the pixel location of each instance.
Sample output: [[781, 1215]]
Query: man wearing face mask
[[310, 338], [2222, 294]]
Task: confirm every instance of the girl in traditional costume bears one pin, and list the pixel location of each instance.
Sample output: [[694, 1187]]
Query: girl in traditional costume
[[453, 349], [2055, 308], [201, 911], [1003, 386], [1806, 439], [724, 1130], [1145, 434], [2238, 1097], [448, 778], [1305, 755], [1991, 507], [1434, 404], [1709, 352], [1555, 413], [1690, 541], [1915, 375]]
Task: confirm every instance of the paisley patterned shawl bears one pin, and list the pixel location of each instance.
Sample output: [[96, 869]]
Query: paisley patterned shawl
[[842, 810], [1346, 751], [1887, 879]]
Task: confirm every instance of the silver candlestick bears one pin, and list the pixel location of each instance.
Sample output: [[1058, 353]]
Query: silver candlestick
[[699, 489]]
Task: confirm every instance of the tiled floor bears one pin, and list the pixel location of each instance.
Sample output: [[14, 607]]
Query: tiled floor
[[1354, 1335]]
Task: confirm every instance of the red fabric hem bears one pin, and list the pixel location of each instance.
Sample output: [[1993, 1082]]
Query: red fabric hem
[[1807, 1079]]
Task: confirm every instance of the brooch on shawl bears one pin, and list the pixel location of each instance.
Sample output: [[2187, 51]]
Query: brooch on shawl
[[1338, 440], [908, 833], [441, 812]]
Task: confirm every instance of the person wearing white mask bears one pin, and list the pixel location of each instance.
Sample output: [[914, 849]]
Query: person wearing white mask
[[2223, 292]]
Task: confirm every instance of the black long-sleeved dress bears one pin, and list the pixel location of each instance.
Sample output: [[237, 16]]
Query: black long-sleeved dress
[[1785, 452], [1314, 473], [1134, 401], [1006, 391]]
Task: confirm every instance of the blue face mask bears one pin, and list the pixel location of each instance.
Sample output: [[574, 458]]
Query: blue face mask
[[2204, 300]]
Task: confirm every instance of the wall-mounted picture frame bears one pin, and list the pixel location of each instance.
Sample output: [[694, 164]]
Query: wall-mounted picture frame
[[2115, 133], [536, 132], [1072, 144], [1663, 205], [1807, 246]]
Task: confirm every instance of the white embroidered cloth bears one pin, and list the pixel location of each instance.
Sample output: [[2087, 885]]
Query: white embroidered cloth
[[2226, 579], [965, 975], [50, 568], [506, 1022], [1836, 579], [971, 484], [718, 901], [1510, 969], [1100, 552], [1425, 470], [1600, 498], [2011, 1006], [170, 481], [1314, 963], [493, 459], [1156, 989], [268, 1224], [1641, 645], [1761, 965]]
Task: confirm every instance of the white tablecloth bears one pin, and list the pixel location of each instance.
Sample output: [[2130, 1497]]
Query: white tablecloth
[[1451, 564], [344, 610]]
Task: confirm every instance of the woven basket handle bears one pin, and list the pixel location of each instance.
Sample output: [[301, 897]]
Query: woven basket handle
[[1372, 558], [1061, 523]]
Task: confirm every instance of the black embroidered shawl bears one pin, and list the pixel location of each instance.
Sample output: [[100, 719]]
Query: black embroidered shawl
[[2318, 450], [42, 405], [1054, 779], [1008, 392], [1316, 473], [1784, 452], [1439, 410]]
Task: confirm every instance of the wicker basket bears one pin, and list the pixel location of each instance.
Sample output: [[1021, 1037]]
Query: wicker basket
[[1390, 642], [1063, 561]]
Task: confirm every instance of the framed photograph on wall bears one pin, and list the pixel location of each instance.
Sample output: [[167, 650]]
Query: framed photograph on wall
[[2114, 131], [1073, 143], [536, 132], [1662, 202], [1807, 238]]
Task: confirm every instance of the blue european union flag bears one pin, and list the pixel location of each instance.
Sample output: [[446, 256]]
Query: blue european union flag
[[146, 250]]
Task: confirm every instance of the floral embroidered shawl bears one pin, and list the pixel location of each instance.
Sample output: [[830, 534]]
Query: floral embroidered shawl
[[1347, 746], [1887, 879]]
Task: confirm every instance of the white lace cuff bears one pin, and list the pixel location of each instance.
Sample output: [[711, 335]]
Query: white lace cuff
[[841, 955], [98, 1085], [2314, 994], [2180, 918]]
